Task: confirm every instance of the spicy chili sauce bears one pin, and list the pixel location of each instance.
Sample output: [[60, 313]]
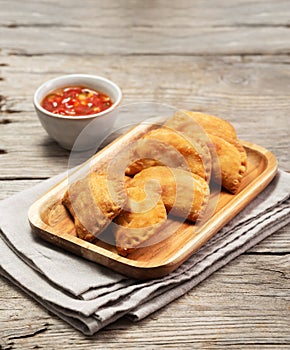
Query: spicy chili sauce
[[76, 101]]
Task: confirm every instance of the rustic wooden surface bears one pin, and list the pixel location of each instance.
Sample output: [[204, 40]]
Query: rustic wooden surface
[[230, 58]]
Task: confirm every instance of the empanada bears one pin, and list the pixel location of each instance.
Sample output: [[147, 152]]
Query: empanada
[[211, 124], [94, 202], [229, 158], [232, 162], [168, 147], [184, 194], [143, 218]]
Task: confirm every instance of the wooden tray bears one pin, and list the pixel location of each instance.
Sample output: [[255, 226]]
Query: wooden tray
[[50, 220]]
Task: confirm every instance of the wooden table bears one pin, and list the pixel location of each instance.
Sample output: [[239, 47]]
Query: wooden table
[[229, 58]]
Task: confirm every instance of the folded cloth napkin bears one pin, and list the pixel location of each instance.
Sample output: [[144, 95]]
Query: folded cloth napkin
[[89, 296]]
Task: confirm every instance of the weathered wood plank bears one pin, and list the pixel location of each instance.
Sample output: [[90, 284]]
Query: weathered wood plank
[[160, 13], [192, 41], [229, 87], [232, 309], [11, 187], [248, 75], [140, 28]]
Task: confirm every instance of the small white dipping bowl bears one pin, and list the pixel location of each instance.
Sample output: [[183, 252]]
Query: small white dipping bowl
[[66, 129]]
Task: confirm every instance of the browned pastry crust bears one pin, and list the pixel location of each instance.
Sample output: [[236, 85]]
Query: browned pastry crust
[[232, 159], [184, 194], [226, 149], [211, 124], [165, 146], [172, 167], [144, 217], [93, 203]]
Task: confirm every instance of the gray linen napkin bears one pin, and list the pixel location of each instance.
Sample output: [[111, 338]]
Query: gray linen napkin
[[89, 296]]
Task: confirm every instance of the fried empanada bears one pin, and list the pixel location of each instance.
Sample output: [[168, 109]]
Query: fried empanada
[[143, 218], [184, 194], [211, 124], [232, 159], [229, 158], [168, 147], [94, 202]]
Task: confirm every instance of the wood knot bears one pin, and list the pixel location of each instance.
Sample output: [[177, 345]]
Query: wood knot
[[5, 121]]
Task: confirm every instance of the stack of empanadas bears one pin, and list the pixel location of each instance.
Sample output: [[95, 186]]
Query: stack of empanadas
[[165, 146], [170, 174], [222, 141]]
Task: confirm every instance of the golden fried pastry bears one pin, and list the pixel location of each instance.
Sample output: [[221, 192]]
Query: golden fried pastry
[[143, 218], [93, 203], [229, 158], [232, 162], [184, 194], [165, 146], [211, 124]]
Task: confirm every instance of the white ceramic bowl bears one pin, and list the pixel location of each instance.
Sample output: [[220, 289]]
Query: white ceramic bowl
[[86, 130]]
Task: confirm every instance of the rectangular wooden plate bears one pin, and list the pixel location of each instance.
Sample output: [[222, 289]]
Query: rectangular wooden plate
[[50, 220]]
